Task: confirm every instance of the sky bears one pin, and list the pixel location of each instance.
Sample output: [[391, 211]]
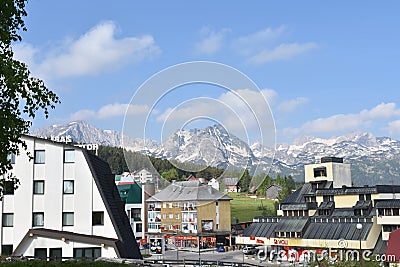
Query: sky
[[319, 68]]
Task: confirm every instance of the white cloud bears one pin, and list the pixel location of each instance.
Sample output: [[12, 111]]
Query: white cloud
[[348, 122], [281, 52], [94, 52], [212, 41], [394, 128], [290, 105], [383, 110], [237, 110], [267, 45], [258, 40], [109, 111]]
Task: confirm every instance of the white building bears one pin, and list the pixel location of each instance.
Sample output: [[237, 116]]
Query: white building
[[67, 205], [214, 183], [143, 176]]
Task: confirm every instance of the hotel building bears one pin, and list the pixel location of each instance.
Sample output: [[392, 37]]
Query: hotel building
[[67, 205], [328, 212]]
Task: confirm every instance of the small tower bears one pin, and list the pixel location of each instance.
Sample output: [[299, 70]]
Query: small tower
[[330, 169]]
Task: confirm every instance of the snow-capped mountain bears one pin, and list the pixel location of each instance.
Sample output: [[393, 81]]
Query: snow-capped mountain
[[374, 160], [211, 146], [82, 132]]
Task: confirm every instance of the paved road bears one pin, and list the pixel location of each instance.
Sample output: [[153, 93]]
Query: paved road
[[212, 255]]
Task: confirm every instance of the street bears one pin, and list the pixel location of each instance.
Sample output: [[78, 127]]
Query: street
[[212, 255]]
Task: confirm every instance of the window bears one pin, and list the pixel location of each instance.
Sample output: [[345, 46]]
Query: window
[[68, 187], [170, 204], [7, 250], [171, 215], [8, 219], [38, 219], [38, 187], [177, 216], [395, 212], [98, 218], [139, 227], [41, 253], [68, 219], [11, 158], [164, 216], [320, 172], [55, 254], [39, 157], [176, 204], [136, 214], [69, 156], [361, 197], [8, 188], [90, 253]]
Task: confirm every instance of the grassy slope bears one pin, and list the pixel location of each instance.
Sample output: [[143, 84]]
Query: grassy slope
[[245, 208]]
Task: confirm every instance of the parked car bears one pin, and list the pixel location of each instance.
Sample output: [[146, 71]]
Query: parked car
[[145, 246], [221, 249], [250, 249]]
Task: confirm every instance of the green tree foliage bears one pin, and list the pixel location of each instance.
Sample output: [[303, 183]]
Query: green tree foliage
[[114, 156], [244, 181], [120, 160], [267, 182], [21, 95], [170, 175]]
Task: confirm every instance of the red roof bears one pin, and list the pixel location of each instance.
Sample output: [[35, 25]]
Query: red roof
[[393, 247], [122, 183]]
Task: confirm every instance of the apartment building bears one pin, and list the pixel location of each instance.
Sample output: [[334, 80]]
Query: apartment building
[[189, 214], [67, 205], [134, 196]]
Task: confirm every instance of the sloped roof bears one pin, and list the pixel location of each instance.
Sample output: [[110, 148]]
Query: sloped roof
[[188, 191], [130, 193], [260, 229], [230, 181], [380, 246], [104, 179], [291, 224], [393, 246], [336, 230], [388, 203]]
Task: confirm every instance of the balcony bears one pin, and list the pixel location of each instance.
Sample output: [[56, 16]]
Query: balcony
[[382, 219]]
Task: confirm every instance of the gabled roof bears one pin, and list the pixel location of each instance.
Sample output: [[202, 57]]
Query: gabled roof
[[188, 191], [230, 181]]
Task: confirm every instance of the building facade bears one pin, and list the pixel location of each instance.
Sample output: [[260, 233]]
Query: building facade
[[134, 196], [327, 212], [188, 212], [67, 205]]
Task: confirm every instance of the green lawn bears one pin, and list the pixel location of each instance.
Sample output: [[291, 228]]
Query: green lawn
[[245, 208]]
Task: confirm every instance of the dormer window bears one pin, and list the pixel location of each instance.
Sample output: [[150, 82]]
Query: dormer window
[[320, 172]]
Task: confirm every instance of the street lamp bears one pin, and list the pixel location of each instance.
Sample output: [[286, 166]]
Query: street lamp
[[359, 227]]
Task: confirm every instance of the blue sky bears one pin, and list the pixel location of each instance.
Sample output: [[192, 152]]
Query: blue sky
[[326, 68]]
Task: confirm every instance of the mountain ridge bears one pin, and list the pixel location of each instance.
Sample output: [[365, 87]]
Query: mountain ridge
[[373, 159]]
